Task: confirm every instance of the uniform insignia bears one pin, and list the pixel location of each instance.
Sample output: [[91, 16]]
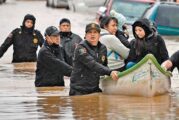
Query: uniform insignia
[[82, 51], [93, 26], [35, 40], [103, 58]]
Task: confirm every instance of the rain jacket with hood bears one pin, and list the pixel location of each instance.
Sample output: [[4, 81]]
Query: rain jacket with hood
[[152, 43], [25, 42]]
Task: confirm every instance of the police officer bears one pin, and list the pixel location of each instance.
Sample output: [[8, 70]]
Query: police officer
[[90, 61], [69, 40], [25, 41], [50, 63]]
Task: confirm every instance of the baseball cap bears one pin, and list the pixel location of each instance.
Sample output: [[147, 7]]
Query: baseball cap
[[52, 30], [91, 26]]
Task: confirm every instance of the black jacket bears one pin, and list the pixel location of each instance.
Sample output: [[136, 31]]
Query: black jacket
[[51, 67], [152, 43], [24, 43], [89, 63], [123, 38], [175, 60], [69, 41]]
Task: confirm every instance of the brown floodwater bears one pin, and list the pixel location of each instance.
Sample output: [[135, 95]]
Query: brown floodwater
[[21, 100]]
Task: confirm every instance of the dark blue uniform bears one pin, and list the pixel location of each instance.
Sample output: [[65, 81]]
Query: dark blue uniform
[[25, 45], [51, 66], [89, 63], [25, 42]]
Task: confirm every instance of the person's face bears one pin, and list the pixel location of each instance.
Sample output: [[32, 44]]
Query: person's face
[[139, 31], [92, 37], [65, 27], [53, 39], [29, 23], [111, 27]]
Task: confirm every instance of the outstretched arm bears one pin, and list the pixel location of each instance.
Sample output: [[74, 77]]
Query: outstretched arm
[[7, 43], [51, 62]]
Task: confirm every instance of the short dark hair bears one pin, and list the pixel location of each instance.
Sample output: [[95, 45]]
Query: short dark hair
[[64, 20], [105, 21]]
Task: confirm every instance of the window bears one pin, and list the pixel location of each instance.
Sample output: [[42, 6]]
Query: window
[[167, 15], [130, 9]]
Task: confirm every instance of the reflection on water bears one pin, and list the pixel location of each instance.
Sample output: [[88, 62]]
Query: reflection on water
[[139, 108], [21, 100], [95, 107], [28, 67], [89, 107]]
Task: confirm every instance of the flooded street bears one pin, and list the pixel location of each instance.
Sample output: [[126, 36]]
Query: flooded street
[[20, 100]]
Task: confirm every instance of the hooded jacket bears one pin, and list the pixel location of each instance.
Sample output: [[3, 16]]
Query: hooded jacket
[[25, 42], [28, 17], [152, 43], [51, 66]]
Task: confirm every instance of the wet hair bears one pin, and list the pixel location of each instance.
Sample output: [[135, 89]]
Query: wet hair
[[105, 21]]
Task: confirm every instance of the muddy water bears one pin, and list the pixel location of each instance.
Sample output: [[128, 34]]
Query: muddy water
[[20, 100]]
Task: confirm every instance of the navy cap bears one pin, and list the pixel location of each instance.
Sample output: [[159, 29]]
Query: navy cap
[[52, 31], [92, 26]]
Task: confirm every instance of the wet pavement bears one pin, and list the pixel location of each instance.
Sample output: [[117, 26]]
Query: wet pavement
[[20, 100]]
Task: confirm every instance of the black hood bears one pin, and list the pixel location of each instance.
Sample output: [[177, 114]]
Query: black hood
[[146, 25], [28, 17]]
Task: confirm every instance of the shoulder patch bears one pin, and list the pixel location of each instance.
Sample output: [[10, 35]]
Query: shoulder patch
[[103, 58], [35, 40], [82, 51]]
